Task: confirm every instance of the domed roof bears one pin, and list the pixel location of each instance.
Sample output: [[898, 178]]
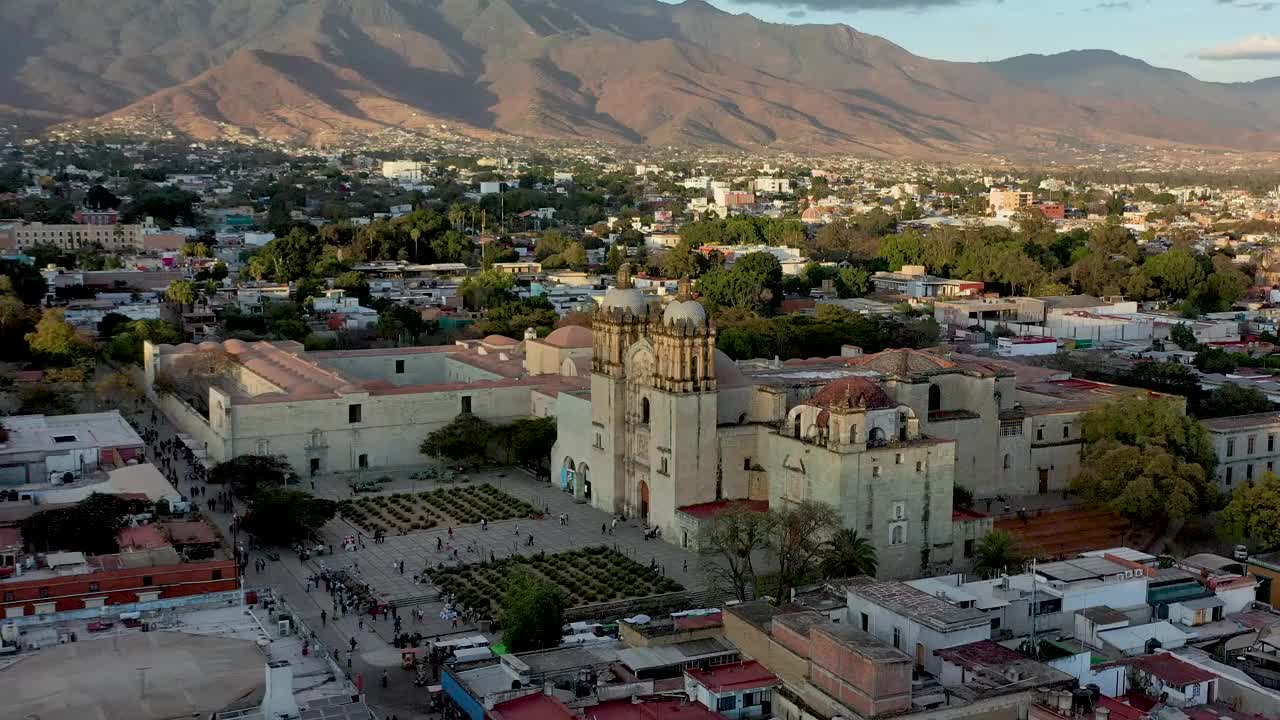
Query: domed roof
[[236, 346], [684, 311], [903, 362], [498, 340], [624, 299], [727, 373], [570, 336], [852, 392]]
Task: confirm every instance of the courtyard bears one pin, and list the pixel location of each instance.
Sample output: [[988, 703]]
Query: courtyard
[[402, 512]]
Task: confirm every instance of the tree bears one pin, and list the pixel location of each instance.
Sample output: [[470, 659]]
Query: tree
[[998, 552], [401, 323], [753, 283], [354, 284], [182, 293], [513, 318], [486, 289], [528, 441], [847, 554], [464, 439], [195, 250], [112, 324], [117, 390], [799, 535], [1145, 460], [56, 341], [532, 614], [1254, 512], [961, 497], [614, 259], [100, 198], [574, 256], [90, 526], [24, 281], [126, 345], [16, 320], [730, 544], [1176, 273], [246, 474], [280, 516], [1230, 399], [1183, 336], [44, 399]]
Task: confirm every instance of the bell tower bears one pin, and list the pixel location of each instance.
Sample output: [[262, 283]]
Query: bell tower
[[684, 344]]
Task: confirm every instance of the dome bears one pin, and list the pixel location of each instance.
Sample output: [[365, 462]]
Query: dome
[[498, 340], [853, 392], [570, 336], [728, 375], [208, 345], [623, 299], [684, 310], [236, 347]]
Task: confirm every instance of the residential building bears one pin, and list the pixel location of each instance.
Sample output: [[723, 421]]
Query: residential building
[[912, 281], [739, 690], [75, 583], [1246, 445], [113, 238], [913, 621], [85, 216], [410, 171], [43, 451], [1003, 202]]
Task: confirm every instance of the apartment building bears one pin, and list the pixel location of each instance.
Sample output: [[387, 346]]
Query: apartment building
[[1246, 446], [74, 237], [1007, 201]]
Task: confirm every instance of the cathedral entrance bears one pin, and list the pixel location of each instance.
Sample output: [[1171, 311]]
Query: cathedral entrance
[[583, 481], [644, 500], [567, 475]]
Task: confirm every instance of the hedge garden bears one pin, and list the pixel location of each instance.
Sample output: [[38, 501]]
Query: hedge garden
[[400, 513]]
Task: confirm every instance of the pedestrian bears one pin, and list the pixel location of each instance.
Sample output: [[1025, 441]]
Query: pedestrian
[[517, 528], [604, 529], [484, 524], [686, 565], [384, 678], [439, 544], [361, 623], [450, 532], [324, 618]]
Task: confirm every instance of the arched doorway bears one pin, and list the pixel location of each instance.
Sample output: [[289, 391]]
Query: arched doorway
[[584, 480], [568, 475], [935, 398], [644, 500]]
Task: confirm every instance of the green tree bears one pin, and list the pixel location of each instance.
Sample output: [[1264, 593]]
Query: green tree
[[24, 281], [730, 543], [1230, 400], [182, 293], [614, 259], [1254, 512], [195, 250], [513, 318], [44, 399], [574, 256], [100, 198], [1183, 336], [56, 341], [998, 552], [847, 554], [799, 536], [280, 516], [354, 284], [1145, 460], [16, 320], [528, 441], [401, 323], [466, 438], [532, 614], [247, 474], [1176, 273], [486, 289], [90, 526]]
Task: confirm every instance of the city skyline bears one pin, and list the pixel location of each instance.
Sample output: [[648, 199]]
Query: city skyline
[[1213, 40]]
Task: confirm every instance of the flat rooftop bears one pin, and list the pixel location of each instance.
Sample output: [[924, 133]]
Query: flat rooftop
[[61, 433], [1242, 422], [920, 606]]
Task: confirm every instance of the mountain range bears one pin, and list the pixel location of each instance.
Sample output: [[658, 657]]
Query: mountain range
[[618, 71]]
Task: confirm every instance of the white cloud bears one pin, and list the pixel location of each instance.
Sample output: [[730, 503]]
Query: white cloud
[[1256, 47]]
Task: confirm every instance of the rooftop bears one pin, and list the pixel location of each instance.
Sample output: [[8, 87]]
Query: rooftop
[[1079, 569], [1242, 422], [735, 677], [1170, 669], [919, 606], [61, 433], [999, 668]]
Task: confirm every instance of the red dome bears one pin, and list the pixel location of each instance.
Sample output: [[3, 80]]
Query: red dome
[[853, 392]]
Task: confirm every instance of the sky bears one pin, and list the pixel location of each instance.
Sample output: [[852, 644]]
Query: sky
[[1219, 40]]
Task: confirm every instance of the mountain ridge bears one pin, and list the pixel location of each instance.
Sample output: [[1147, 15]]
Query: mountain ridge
[[631, 72]]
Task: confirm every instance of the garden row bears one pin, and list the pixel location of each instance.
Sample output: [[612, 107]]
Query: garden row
[[405, 512], [586, 576]]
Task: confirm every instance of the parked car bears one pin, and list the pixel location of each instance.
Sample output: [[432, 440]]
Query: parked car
[[1241, 552]]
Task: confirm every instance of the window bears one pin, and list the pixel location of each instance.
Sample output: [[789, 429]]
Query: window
[[1231, 447], [217, 574], [1006, 461], [1039, 433], [898, 535], [935, 398], [599, 441], [353, 414], [968, 547], [919, 465], [1195, 689], [746, 463], [64, 438], [94, 587], [146, 581], [899, 510], [662, 466], [1248, 471], [866, 622], [363, 461], [749, 699], [1228, 478], [1010, 428], [399, 367], [1250, 445], [897, 458], [1271, 443], [1049, 607], [897, 638], [726, 703], [8, 596], [1066, 432], [875, 471], [995, 623], [44, 592], [644, 414]]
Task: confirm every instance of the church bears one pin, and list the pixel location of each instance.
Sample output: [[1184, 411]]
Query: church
[[672, 431]]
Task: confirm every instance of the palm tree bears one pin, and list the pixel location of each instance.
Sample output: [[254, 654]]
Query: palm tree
[[998, 552], [847, 554], [182, 293]]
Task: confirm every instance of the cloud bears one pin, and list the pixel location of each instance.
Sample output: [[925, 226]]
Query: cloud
[[1114, 5], [796, 14], [1257, 47]]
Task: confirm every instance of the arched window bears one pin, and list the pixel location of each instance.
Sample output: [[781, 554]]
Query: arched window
[[1006, 462], [644, 410], [897, 535], [875, 437], [796, 429], [935, 398]]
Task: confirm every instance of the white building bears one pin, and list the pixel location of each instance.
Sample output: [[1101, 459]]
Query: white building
[[1246, 446], [405, 171], [914, 621]]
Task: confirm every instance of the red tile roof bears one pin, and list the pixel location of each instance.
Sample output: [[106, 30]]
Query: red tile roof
[[745, 675], [532, 707], [653, 709], [708, 510], [698, 622], [143, 537], [1172, 670]]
